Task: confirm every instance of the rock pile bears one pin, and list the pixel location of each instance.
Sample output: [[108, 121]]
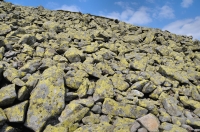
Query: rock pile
[[64, 71]]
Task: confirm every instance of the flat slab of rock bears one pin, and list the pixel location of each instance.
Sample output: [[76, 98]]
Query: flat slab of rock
[[17, 113], [111, 107], [47, 99], [150, 122]]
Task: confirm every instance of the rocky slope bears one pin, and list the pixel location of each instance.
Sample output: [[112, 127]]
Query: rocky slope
[[62, 72]]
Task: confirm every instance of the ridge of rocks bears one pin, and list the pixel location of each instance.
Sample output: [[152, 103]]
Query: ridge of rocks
[[66, 71]]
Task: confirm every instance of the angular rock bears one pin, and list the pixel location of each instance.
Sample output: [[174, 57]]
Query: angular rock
[[74, 55], [7, 95], [139, 64], [150, 122], [170, 104], [193, 122], [102, 127], [112, 107], [172, 128], [4, 29], [17, 112], [91, 119], [119, 83], [135, 126], [189, 102], [27, 39], [47, 99], [103, 89]]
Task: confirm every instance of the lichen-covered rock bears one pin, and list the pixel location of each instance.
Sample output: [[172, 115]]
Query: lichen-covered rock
[[112, 107], [31, 66], [139, 64], [47, 99], [7, 128], [193, 122], [170, 104], [4, 29], [119, 83], [189, 102], [7, 95], [27, 39], [50, 128], [91, 119], [17, 113], [74, 55], [172, 128], [52, 26], [103, 89], [3, 117], [102, 127]]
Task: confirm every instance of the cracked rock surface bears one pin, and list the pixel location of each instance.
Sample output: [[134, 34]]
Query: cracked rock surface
[[64, 71]]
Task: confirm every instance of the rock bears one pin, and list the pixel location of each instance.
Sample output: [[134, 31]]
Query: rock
[[7, 128], [157, 79], [122, 128], [112, 107], [197, 112], [139, 85], [17, 113], [102, 127], [74, 82], [74, 55], [170, 104], [3, 117], [142, 130], [178, 120], [7, 95], [52, 26], [150, 122], [172, 128], [96, 109], [139, 64], [27, 39], [5, 29], [164, 116], [119, 83], [103, 89], [50, 128], [189, 102], [47, 99], [135, 126], [39, 51], [31, 66], [193, 122], [91, 119], [11, 73]]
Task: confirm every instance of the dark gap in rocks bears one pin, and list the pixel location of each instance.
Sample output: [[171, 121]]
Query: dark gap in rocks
[[146, 95], [19, 127], [60, 51], [4, 82], [92, 78]]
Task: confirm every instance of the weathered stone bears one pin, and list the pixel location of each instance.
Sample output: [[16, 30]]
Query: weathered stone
[[193, 122], [31, 66], [164, 116], [74, 55], [139, 85], [170, 104], [52, 26], [4, 29], [112, 107], [102, 127], [139, 64], [103, 89], [27, 39], [189, 102], [172, 128], [157, 79], [50, 128], [17, 113], [91, 119], [135, 126], [7, 128], [119, 83], [7, 95], [47, 99], [150, 122]]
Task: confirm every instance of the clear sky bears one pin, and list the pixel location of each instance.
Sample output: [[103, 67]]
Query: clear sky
[[177, 16]]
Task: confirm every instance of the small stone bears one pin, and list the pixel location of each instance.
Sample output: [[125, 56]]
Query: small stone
[[197, 112], [150, 122], [193, 122], [17, 112], [4, 29], [74, 55], [82, 91], [27, 39], [96, 109], [189, 102], [91, 119]]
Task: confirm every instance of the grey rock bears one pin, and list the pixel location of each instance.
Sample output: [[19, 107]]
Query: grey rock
[[7, 95], [3, 117], [17, 113], [135, 126]]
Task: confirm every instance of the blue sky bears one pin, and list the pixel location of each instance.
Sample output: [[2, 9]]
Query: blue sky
[[177, 16]]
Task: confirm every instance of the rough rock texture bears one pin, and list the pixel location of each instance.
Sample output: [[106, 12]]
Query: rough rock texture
[[66, 71]]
